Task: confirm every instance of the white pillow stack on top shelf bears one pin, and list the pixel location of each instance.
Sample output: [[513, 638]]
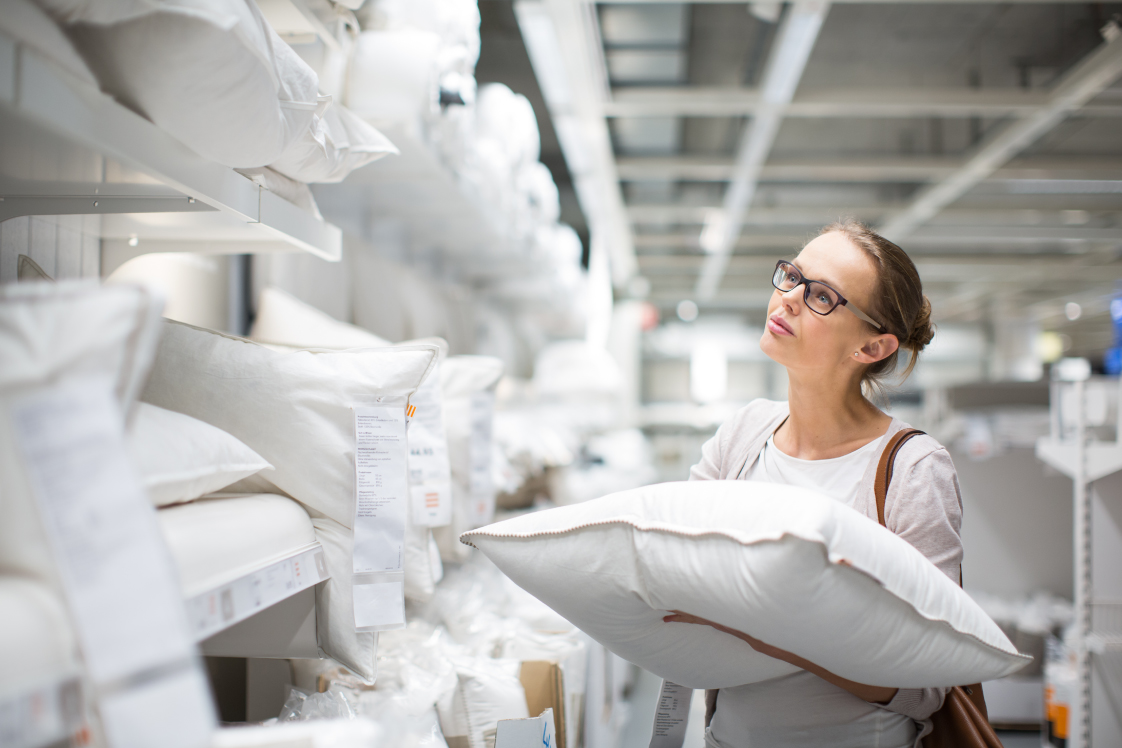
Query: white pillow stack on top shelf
[[28, 25], [286, 323], [212, 73], [295, 410], [790, 567], [215, 75], [180, 458], [462, 379], [337, 143]]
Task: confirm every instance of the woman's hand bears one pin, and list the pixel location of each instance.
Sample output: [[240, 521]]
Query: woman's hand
[[873, 694]]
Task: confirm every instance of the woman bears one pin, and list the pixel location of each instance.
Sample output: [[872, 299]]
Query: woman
[[842, 311]]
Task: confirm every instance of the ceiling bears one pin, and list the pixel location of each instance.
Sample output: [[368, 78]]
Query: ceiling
[[986, 138]]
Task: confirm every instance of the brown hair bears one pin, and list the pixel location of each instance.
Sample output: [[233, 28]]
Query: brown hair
[[898, 301]]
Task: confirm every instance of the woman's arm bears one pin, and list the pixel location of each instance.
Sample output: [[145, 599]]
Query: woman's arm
[[874, 694]]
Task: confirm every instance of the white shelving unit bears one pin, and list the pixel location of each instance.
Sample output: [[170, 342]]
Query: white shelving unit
[[417, 191], [234, 601], [1097, 718], [68, 149]]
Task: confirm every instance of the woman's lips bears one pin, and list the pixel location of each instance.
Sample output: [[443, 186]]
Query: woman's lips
[[779, 327]]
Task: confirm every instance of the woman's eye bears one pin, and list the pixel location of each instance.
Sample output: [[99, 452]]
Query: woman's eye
[[824, 298]]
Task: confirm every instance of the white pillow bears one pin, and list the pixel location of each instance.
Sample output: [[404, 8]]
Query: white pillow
[[393, 75], [37, 644], [212, 73], [181, 458], [787, 566], [465, 384], [295, 410], [285, 320], [335, 145], [28, 25]]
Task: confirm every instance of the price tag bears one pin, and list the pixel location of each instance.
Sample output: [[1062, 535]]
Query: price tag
[[381, 501], [430, 477], [120, 581], [671, 716], [481, 488]]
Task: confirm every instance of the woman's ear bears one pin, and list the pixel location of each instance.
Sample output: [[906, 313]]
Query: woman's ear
[[878, 349]]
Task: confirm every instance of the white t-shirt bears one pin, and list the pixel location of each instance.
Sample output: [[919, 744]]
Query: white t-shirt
[[802, 710]]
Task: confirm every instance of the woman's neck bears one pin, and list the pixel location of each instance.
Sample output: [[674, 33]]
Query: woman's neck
[[829, 418]]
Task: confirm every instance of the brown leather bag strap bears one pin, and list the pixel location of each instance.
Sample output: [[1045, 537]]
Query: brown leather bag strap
[[884, 469]]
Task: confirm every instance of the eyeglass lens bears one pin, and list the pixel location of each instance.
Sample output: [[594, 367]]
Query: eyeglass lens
[[819, 298]]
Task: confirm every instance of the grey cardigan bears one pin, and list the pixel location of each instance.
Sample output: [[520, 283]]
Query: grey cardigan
[[923, 504]]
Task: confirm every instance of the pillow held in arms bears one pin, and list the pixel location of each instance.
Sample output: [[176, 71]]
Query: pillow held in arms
[[181, 458], [295, 410], [788, 566]]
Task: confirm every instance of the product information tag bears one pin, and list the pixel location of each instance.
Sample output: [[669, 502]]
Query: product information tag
[[430, 477], [671, 716], [119, 579], [481, 487], [381, 501]]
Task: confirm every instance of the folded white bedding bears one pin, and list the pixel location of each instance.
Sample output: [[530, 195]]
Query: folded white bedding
[[220, 539], [37, 644]]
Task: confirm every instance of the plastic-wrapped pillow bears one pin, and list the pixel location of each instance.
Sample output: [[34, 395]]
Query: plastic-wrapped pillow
[[334, 145], [212, 73], [790, 567], [295, 409]]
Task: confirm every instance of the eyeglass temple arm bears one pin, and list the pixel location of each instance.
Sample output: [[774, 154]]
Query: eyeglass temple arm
[[861, 315]]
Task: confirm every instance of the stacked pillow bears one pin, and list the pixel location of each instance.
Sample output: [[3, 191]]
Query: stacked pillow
[[180, 458], [214, 75], [295, 409], [792, 568]]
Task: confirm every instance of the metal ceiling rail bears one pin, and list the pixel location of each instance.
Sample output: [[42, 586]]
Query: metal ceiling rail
[[1078, 86], [892, 169], [738, 101], [666, 214], [938, 236], [864, 2], [787, 59]]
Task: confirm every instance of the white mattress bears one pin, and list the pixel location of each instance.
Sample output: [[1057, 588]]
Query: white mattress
[[216, 541], [37, 645]]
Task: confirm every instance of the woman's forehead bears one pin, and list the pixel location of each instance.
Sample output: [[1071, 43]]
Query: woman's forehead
[[834, 260]]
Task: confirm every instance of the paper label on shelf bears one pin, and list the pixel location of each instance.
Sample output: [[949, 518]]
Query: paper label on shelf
[[671, 716], [119, 577], [430, 477], [381, 503], [481, 487], [120, 582]]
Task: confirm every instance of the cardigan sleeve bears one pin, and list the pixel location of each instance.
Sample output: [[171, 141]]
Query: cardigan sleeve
[[924, 507], [709, 468]]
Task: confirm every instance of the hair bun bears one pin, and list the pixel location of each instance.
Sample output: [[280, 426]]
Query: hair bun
[[922, 330]]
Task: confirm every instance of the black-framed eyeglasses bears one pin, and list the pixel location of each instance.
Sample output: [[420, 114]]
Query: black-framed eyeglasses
[[819, 298]]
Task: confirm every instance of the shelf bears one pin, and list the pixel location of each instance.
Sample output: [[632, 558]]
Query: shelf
[[1103, 458], [42, 716], [230, 603], [416, 191], [68, 149]]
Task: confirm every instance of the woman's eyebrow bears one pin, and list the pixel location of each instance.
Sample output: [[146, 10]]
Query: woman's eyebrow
[[827, 281]]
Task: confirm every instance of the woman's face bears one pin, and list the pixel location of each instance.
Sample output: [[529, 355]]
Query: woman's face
[[798, 338]]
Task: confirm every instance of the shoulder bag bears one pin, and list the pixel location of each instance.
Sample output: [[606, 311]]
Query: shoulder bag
[[962, 722]]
